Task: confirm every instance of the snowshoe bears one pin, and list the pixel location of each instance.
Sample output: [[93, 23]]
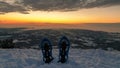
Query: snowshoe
[[46, 47], [64, 46]]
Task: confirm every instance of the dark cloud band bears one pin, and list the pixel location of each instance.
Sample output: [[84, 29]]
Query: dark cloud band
[[53, 5], [6, 8]]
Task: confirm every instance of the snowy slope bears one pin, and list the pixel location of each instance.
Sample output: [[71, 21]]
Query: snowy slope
[[79, 58]]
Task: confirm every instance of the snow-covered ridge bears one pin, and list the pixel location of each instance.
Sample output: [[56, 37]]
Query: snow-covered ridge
[[78, 58]]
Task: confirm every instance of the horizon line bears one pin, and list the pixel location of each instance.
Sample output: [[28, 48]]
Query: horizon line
[[36, 23]]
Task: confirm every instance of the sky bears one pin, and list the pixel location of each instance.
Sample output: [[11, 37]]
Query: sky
[[59, 11]]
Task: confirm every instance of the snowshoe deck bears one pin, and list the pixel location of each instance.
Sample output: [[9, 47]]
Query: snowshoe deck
[[64, 46], [46, 50]]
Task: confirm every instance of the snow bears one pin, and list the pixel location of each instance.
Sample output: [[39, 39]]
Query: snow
[[73, 44], [78, 58], [4, 37], [26, 41]]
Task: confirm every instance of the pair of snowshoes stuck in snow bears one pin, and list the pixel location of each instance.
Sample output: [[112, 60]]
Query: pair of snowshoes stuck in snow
[[63, 46]]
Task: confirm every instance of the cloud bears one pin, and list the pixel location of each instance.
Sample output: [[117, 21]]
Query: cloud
[[6, 8], [99, 3], [52, 5], [67, 5]]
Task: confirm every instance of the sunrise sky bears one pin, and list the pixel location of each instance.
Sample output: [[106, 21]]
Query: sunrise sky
[[59, 11]]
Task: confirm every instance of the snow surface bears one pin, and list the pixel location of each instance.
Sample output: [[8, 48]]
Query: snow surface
[[78, 58]]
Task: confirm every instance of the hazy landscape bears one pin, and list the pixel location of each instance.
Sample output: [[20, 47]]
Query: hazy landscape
[[19, 48], [107, 27], [79, 38]]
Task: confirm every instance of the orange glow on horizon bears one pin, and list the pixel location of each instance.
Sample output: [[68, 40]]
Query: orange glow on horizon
[[95, 15]]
